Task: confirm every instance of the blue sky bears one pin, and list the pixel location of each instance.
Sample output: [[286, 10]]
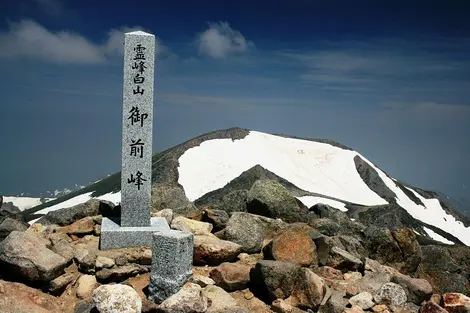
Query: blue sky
[[389, 79]]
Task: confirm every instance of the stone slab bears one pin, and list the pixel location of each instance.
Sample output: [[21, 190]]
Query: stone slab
[[172, 260], [114, 236], [137, 122]]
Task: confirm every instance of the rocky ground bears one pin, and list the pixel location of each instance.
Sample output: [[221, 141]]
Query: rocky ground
[[274, 256]]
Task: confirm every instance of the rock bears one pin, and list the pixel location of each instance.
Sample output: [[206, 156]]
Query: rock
[[324, 245], [67, 216], [64, 249], [97, 230], [274, 279], [218, 218], [191, 226], [380, 308], [119, 274], [117, 298], [55, 238], [19, 298], [23, 255], [325, 226], [352, 276], [85, 259], [166, 213], [170, 196], [411, 250], [58, 284], [335, 304], [214, 251], [9, 224], [104, 262], [309, 290], [84, 306], [202, 281], [391, 294], [293, 246], [417, 290], [85, 286], [220, 300], [343, 260], [371, 282], [120, 260], [364, 300], [190, 299], [245, 229], [329, 273], [456, 303], [271, 199], [441, 270], [326, 211], [353, 246], [432, 307], [436, 298], [376, 267], [281, 306], [83, 226], [231, 276]]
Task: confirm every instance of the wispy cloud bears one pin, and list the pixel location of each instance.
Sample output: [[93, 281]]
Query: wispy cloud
[[28, 39], [220, 40]]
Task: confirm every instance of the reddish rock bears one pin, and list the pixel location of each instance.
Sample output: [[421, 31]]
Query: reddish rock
[[81, 227], [309, 290], [294, 246], [456, 303], [432, 307], [436, 298], [329, 273], [231, 276]]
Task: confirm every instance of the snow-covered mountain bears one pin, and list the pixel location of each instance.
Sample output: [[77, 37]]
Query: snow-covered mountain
[[319, 171]]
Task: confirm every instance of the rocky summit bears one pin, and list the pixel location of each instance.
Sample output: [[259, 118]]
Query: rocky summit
[[265, 240]]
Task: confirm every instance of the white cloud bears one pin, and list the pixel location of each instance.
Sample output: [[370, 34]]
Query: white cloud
[[28, 39], [220, 40]]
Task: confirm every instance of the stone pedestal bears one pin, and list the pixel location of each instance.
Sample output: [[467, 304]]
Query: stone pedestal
[[172, 259]]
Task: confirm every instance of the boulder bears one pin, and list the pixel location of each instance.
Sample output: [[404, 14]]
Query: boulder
[[67, 216], [10, 224], [19, 298], [343, 260], [220, 301], [191, 226], [81, 227], [213, 251], [391, 294], [417, 290], [335, 303], [85, 286], [324, 245], [167, 214], [117, 298], [190, 299], [64, 249], [364, 300], [218, 218], [25, 256], [245, 230], [456, 303], [274, 279], [325, 226], [309, 290], [271, 199], [231, 276], [85, 259], [119, 274], [294, 246]]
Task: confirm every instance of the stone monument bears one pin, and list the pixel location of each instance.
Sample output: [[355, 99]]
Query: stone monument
[[135, 226]]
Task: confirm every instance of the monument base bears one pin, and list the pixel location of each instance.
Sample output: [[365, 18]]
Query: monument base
[[113, 236]]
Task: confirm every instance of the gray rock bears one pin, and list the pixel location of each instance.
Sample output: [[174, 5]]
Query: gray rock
[[190, 299], [64, 249], [417, 290], [104, 262], [274, 279], [119, 274], [220, 300], [343, 260], [117, 298], [335, 304], [364, 300], [9, 224], [324, 245], [85, 259], [59, 283], [23, 255], [245, 229], [271, 199], [67, 216], [391, 294], [218, 218], [326, 226], [170, 196], [84, 307]]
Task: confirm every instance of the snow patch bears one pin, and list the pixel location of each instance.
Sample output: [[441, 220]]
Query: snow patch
[[113, 197], [24, 203], [311, 166], [437, 237], [310, 201]]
